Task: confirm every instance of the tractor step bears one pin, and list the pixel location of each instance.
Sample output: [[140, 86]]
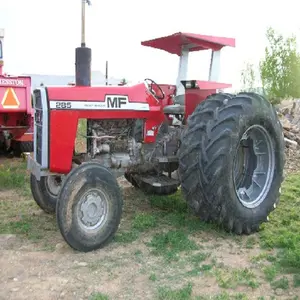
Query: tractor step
[[167, 159], [156, 184], [167, 163]]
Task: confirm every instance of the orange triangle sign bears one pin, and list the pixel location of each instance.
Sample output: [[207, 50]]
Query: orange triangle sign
[[10, 99]]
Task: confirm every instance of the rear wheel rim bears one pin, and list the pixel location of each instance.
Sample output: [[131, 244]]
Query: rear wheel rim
[[254, 166]]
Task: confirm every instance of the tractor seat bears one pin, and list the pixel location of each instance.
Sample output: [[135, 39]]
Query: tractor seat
[[177, 108], [180, 99]]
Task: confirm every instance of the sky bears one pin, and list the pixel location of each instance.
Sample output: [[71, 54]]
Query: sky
[[41, 35]]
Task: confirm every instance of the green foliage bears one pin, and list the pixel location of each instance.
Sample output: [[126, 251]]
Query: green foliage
[[280, 68], [171, 243], [144, 221], [282, 283], [13, 175], [282, 231], [231, 279], [248, 78], [98, 296], [169, 294], [123, 81]]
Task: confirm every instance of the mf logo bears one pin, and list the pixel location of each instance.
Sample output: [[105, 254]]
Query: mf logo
[[116, 101]]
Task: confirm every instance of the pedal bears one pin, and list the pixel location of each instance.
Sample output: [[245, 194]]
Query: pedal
[[156, 184]]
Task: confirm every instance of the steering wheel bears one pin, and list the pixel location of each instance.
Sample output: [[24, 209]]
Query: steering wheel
[[160, 95]]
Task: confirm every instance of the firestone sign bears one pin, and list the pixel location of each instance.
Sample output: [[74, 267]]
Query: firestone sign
[[11, 82]]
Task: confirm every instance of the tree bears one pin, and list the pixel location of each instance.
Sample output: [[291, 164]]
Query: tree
[[248, 78], [123, 82], [280, 67]]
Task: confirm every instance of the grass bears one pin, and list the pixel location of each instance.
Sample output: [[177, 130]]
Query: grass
[[175, 252], [98, 296], [283, 230], [180, 294], [166, 212], [20, 215], [270, 272], [171, 243], [80, 142], [282, 283], [233, 278], [144, 221], [185, 293], [296, 280], [13, 175]]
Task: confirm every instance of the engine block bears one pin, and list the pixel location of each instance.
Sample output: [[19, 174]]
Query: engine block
[[113, 142], [115, 145]]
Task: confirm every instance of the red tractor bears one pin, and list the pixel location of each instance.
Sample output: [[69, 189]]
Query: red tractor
[[227, 150], [16, 112]]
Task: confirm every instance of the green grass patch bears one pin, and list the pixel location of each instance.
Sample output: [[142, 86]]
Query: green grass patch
[[184, 293], [231, 279], [283, 230], [282, 283], [144, 221], [296, 280], [13, 175], [22, 216], [263, 256], [172, 203], [80, 141], [153, 277], [224, 296], [126, 237], [173, 211], [270, 272], [98, 296], [198, 258], [251, 242], [34, 227], [171, 243], [19, 214]]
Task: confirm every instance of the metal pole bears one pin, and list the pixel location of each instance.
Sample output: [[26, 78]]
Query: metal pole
[[83, 55], [1, 50], [83, 58], [106, 73], [83, 23]]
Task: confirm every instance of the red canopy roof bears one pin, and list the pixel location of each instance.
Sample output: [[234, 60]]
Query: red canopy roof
[[195, 42]]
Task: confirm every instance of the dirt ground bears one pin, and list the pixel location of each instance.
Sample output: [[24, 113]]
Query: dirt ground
[[159, 252], [35, 262]]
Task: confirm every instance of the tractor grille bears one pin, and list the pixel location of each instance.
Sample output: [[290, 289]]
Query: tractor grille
[[38, 124]]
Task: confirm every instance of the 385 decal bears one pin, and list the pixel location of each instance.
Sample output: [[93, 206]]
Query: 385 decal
[[63, 105]]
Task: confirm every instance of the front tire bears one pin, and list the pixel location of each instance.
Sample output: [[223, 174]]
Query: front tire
[[89, 208], [212, 167], [45, 191]]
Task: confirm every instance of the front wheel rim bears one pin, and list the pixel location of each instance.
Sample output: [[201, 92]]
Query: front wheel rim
[[53, 185], [254, 166], [92, 209]]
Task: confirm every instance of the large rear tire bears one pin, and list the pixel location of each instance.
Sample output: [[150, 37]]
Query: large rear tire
[[89, 207], [45, 191], [227, 137]]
